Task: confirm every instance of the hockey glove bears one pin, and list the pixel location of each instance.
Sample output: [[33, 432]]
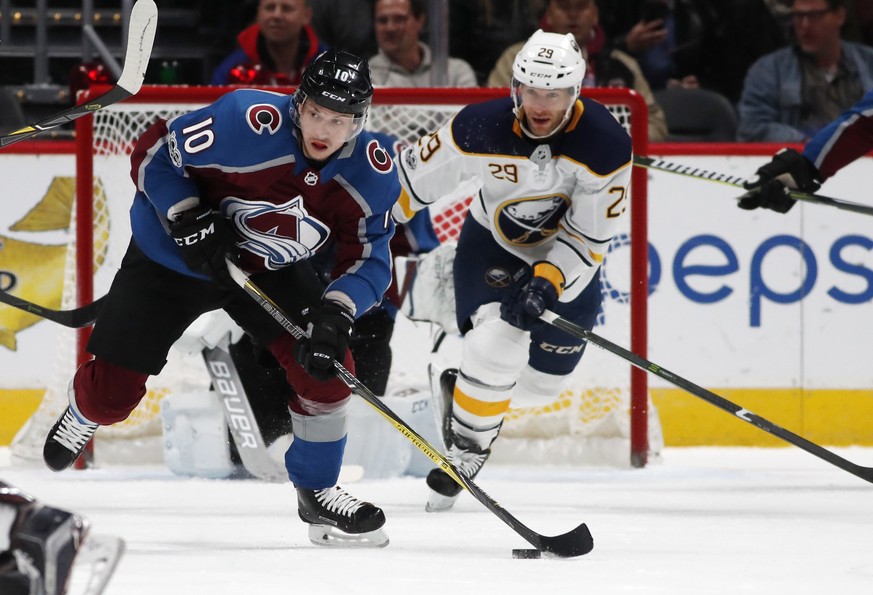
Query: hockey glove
[[328, 341], [772, 185], [205, 238], [523, 305]]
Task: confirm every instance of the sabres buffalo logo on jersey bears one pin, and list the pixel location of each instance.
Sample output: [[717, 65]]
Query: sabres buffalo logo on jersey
[[276, 234], [529, 221]]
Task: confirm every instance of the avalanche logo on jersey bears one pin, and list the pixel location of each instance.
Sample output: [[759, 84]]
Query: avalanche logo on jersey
[[530, 221], [280, 234], [264, 116]]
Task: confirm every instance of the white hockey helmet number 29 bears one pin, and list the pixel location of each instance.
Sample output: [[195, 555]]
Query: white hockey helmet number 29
[[548, 61]]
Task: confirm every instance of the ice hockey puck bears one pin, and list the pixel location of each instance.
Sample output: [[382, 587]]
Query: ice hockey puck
[[525, 554]]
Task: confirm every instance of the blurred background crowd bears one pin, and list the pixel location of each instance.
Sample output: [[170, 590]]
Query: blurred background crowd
[[710, 70]]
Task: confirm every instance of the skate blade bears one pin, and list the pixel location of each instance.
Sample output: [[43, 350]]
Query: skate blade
[[325, 535], [436, 502], [95, 564]]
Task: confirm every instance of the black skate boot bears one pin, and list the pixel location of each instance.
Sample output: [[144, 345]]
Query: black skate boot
[[66, 440], [442, 388], [468, 458], [336, 517], [46, 546]]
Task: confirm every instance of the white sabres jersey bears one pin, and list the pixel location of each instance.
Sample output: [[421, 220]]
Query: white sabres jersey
[[559, 202]]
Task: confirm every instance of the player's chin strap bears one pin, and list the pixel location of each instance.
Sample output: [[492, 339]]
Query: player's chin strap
[[865, 473], [736, 181], [573, 543]]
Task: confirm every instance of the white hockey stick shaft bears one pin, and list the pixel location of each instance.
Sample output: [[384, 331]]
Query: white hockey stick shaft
[[141, 37], [738, 182]]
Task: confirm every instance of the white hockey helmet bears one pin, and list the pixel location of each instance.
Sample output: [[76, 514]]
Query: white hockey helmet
[[548, 61]]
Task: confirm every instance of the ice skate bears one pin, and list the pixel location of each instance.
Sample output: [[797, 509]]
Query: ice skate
[[66, 440], [468, 458], [46, 546], [442, 390], [336, 518]]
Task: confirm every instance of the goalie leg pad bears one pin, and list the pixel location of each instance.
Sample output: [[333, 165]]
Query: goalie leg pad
[[195, 435]]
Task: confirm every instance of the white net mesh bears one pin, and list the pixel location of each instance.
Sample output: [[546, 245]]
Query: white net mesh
[[589, 422]]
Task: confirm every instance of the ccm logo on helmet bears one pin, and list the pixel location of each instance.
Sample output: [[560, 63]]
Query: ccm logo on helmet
[[334, 96], [379, 158], [264, 116]]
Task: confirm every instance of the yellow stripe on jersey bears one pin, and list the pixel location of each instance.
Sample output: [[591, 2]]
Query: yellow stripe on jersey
[[551, 273], [577, 113], [598, 258], [404, 202], [480, 408]]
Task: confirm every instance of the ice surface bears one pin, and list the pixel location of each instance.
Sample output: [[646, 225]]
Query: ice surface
[[699, 521]]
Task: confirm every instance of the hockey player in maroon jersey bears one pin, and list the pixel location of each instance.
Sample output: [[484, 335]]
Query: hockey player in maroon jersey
[[269, 180], [549, 173], [835, 146]]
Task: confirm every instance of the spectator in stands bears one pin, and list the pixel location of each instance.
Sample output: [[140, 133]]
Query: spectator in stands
[[403, 60], [658, 34], [792, 93], [606, 66], [345, 25], [275, 50], [859, 21], [691, 43], [479, 30]]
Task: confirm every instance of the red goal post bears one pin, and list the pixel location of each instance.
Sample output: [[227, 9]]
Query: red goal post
[[437, 105]]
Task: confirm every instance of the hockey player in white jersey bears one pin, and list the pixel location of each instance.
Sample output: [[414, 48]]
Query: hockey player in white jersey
[[549, 172]]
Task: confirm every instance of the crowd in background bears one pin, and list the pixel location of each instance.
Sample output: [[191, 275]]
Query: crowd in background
[[784, 68], [776, 70]]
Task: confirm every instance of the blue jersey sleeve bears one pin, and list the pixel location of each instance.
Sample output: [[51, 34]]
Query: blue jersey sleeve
[[844, 140]]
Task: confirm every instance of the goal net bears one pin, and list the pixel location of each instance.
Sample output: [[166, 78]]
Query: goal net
[[603, 416]]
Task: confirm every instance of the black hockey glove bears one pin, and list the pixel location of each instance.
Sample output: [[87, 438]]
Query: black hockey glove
[[773, 182], [524, 303], [327, 343], [205, 238]]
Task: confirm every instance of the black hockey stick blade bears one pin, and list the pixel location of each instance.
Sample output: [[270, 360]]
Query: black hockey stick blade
[[141, 36], [571, 544], [737, 182], [865, 473], [76, 318]]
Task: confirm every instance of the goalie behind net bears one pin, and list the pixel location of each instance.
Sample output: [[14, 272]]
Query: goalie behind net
[[589, 423]]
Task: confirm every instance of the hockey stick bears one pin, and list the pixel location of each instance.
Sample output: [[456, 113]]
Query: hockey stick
[[865, 473], [141, 36], [76, 318], [737, 182], [239, 416], [573, 543]]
